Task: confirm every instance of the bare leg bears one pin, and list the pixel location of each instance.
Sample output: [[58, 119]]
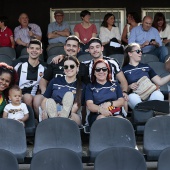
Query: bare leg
[[28, 99]]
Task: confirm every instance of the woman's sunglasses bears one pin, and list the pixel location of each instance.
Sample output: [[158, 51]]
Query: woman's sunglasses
[[137, 51], [104, 69], [71, 66]]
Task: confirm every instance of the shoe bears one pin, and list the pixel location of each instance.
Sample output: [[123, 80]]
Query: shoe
[[67, 104], [51, 108]]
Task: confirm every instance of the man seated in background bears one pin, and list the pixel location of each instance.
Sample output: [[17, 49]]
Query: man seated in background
[[25, 32], [149, 39], [58, 30], [6, 34]]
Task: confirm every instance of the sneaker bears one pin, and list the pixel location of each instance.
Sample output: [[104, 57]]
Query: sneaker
[[67, 104], [51, 108]]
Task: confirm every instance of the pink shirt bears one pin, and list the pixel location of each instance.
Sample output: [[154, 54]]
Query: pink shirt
[[85, 34]]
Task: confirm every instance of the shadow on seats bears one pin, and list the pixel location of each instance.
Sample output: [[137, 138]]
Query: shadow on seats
[[56, 159], [110, 132], [13, 138], [8, 160], [58, 133], [120, 158], [156, 136], [146, 58]]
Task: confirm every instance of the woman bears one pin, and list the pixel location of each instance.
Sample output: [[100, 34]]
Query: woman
[[85, 30], [103, 94], [133, 20], [64, 95], [8, 78], [109, 32], [134, 70], [160, 24]]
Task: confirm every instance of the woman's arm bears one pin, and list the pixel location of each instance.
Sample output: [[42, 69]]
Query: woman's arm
[[160, 81], [5, 115], [124, 35]]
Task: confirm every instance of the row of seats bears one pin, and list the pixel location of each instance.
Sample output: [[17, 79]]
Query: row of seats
[[105, 133]]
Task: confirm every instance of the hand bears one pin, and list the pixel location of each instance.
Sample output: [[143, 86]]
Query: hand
[[133, 86], [44, 115], [125, 96], [145, 43], [30, 33], [105, 112], [106, 105], [57, 59]]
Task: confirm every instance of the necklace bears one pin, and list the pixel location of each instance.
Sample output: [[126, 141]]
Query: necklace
[[71, 86]]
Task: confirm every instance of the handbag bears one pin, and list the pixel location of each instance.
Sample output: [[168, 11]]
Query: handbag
[[145, 88]]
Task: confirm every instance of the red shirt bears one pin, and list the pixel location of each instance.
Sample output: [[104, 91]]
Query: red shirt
[[5, 35]]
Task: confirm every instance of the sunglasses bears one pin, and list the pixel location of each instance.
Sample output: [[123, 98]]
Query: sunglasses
[[137, 51], [71, 66], [104, 69]]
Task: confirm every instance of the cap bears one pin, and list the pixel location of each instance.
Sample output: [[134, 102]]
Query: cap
[[93, 40], [59, 11]]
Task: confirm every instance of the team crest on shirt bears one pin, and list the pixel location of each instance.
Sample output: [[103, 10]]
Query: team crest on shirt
[[60, 67], [143, 69], [112, 89], [40, 74], [74, 91]]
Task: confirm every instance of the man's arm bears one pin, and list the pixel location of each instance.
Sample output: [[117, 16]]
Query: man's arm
[[55, 34]]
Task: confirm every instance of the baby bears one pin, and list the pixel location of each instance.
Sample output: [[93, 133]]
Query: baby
[[16, 110]]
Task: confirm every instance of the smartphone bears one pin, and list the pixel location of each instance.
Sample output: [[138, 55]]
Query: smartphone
[[152, 40], [165, 38]]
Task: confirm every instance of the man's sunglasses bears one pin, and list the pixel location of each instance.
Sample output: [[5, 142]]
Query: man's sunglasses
[[71, 66], [137, 51], [104, 69]]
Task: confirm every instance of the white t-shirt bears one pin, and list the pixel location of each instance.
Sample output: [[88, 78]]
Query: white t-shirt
[[16, 112], [166, 32]]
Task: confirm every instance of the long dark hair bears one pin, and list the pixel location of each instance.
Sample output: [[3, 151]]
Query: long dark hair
[[93, 77], [159, 16], [79, 83], [135, 16], [106, 17], [128, 49], [5, 68]]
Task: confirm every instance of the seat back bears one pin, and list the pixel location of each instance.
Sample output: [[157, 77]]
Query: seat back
[[10, 52], [164, 159], [120, 158], [5, 59], [13, 138], [110, 132], [146, 58], [49, 59], [156, 136], [85, 57], [8, 160], [56, 159], [118, 57], [57, 133], [56, 50]]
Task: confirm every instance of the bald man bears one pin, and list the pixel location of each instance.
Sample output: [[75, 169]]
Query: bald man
[[149, 39]]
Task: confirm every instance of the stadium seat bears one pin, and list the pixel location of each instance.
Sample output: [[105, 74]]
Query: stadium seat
[[24, 51], [56, 159], [118, 57], [85, 57], [6, 59], [146, 58], [10, 52], [110, 132], [57, 133], [30, 123], [120, 158], [164, 159], [156, 136], [55, 50], [49, 59], [13, 138], [8, 160]]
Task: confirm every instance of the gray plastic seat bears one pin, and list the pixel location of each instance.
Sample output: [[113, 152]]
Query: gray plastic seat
[[56, 159], [56, 50], [85, 57], [164, 159], [58, 133], [110, 132], [146, 58], [6, 59], [10, 52], [30, 123], [8, 160], [120, 158], [13, 138], [49, 59], [156, 136], [118, 57], [24, 51]]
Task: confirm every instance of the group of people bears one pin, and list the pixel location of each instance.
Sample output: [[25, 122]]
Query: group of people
[[64, 87]]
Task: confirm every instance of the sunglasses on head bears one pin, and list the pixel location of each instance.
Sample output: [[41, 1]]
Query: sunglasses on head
[[137, 51], [71, 66], [104, 69]]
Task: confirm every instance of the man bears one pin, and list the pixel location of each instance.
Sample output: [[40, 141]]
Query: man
[[6, 35], [148, 38], [30, 71], [25, 32], [59, 30]]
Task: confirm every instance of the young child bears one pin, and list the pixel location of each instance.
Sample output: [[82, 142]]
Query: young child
[[6, 34], [16, 110]]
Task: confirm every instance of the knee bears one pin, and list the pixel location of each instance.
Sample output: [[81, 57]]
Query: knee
[[28, 98], [37, 100]]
